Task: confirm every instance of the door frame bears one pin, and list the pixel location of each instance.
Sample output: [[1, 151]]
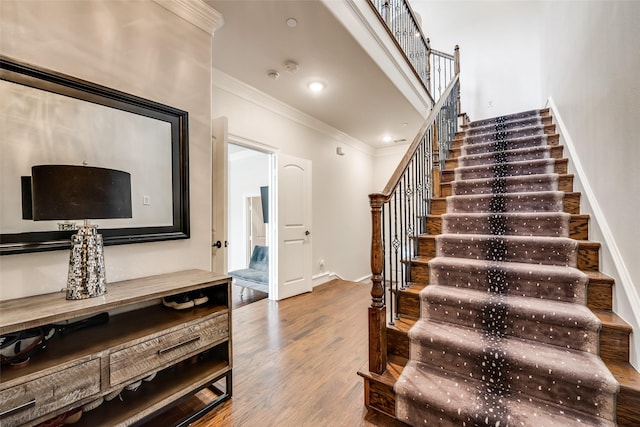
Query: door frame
[[272, 226]]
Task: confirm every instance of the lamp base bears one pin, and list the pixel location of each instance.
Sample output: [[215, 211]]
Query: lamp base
[[86, 264]]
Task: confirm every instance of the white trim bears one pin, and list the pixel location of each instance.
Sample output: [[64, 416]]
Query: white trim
[[252, 144], [197, 12], [322, 278], [609, 241], [236, 87]]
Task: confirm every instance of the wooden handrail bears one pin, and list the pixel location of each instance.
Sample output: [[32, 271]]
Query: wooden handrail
[[404, 163], [443, 54], [377, 201]]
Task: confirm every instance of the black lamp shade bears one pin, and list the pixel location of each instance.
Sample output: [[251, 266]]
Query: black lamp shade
[[79, 192]]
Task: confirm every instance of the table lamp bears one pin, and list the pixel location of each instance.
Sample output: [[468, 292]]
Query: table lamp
[[65, 192]]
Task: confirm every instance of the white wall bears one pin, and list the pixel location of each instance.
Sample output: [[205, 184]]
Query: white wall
[[499, 51], [136, 47], [248, 171], [341, 229], [589, 67]]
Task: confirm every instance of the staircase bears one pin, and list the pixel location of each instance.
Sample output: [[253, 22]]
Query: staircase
[[516, 325]]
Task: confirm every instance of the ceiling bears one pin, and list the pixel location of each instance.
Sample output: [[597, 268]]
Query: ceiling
[[359, 99]]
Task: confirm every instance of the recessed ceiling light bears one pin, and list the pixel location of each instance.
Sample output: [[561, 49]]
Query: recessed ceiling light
[[316, 87], [292, 23], [387, 138]]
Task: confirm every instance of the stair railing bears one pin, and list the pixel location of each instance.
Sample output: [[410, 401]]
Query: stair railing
[[442, 68], [399, 215], [433, 68], [402, 24]]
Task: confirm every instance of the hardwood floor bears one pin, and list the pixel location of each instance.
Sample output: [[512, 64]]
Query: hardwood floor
[[248, 296], [295, 362]]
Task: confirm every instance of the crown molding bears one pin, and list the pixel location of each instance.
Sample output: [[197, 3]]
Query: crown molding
[[196, 12], [236, 87]]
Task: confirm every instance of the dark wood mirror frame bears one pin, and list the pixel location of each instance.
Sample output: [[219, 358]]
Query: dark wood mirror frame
[[35, 77]]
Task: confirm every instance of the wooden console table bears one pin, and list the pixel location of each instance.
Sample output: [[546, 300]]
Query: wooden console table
[[188, 349]]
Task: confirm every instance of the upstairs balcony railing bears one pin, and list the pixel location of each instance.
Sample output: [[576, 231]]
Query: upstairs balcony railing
[[433, 68]]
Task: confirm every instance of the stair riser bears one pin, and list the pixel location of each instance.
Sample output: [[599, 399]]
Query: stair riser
[[519, 376], [514, 124], [419, 273], [578, 227], [587, 259], [500, 203], [553, 152], [600, 296], [570, 204], [509, 134], [503, 186], [512, 322], [565, 183], [543, 112], [517, 283], [397, 343], [614, 344], [544, 225], [560, 167], [408, 304], [510, 250], [532, 167], [541, 140]]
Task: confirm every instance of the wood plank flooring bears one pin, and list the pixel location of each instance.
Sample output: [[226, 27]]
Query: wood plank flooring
[[295, 362], [249, 296]]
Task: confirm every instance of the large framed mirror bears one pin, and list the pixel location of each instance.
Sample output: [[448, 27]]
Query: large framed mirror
[[51, 118]]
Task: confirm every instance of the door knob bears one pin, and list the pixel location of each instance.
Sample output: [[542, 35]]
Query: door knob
[[217, 244], [306, 233]]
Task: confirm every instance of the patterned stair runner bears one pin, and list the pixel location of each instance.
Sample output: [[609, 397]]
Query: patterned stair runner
[[505, 337]]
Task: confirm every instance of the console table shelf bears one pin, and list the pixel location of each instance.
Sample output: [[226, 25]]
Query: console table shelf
[[187, 350]]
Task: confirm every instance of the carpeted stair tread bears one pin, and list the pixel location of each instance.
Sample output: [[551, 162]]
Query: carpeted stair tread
[[548, 282], [506, 118], [506, 155], [550, 224], [513, 144], [577, 379], [504, 135], [449, 400], [509, 184], [510, 124], [532, 249], [535, 201], [499, 170], [555, 323]]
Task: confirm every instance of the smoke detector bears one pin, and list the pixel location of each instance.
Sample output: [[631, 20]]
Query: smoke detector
[[273, 74], [291, 66]]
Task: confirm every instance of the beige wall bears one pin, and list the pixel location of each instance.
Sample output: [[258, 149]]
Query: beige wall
[[341, 230], [136, 47], [589, 67]]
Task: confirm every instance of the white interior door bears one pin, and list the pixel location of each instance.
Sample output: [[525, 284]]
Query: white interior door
[[219, 196], [294, 226]]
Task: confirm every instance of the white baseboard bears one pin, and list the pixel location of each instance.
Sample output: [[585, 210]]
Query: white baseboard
[[327, 276], [609, 244]]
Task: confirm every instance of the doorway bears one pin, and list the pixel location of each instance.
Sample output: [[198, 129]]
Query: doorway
[[248, 227]]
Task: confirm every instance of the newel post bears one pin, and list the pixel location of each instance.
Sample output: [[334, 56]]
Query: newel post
[[377, 310]]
